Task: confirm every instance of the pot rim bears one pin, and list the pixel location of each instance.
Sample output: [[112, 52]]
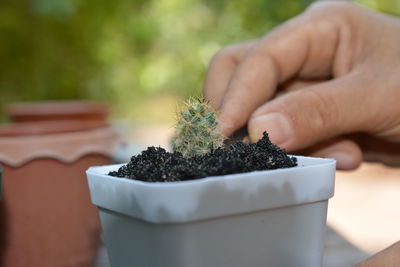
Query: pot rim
[[49, 127], [64, 147], [211, 197], [57, 107]]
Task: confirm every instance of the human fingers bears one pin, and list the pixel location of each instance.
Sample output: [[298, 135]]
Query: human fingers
[[304, 47], [315, 114], [221, 69], [296, 84], [347, 153], [377, 149]]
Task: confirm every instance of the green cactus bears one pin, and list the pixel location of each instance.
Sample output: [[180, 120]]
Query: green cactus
[[196, 131]]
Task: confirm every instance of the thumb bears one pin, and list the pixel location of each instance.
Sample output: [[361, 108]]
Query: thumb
[[313, 114]]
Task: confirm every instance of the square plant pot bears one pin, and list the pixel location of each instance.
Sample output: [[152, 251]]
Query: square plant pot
[[263, 218]]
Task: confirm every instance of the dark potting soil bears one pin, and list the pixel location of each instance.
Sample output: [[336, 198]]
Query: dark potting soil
[[157, 165]]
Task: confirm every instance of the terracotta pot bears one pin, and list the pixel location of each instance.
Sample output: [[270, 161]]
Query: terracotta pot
[[48, 219], [1, 183], [57, 110], [3, 228]]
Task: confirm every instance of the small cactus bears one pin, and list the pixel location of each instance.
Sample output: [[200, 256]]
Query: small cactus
[[196, 131]]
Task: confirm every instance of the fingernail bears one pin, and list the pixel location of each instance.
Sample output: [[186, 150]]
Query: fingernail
[[276, 125], [344, 161]]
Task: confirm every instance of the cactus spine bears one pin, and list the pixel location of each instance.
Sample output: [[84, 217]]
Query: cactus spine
[[196, 131]]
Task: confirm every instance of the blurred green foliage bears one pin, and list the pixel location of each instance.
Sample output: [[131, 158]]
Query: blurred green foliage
[[125, 51]]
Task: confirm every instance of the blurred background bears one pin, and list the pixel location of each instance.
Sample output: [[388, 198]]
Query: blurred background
[[142, 57]]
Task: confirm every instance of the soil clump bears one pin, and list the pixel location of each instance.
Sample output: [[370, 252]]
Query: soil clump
[[155, 164]]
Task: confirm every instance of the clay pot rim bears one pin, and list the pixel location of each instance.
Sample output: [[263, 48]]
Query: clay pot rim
[[38, 128], [64, 147], [62, 107], [11, 164]]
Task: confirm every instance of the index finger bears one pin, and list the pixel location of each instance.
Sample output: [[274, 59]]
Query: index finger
[[221, 69], [303, 47]]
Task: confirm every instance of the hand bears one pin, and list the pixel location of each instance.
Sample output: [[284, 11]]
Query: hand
[[389, 257], [327, 73]]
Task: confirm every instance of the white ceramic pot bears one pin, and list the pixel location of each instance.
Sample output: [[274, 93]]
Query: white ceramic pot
[[264, 218]]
